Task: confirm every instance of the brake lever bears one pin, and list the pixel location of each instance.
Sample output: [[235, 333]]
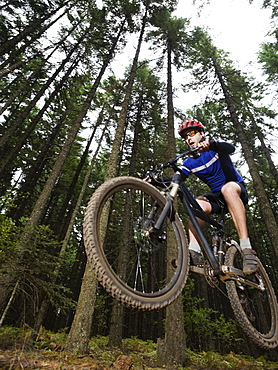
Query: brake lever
[[195, 152], [192, 152]]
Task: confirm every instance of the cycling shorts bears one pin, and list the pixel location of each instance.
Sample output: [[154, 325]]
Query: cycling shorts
[[217, 200]]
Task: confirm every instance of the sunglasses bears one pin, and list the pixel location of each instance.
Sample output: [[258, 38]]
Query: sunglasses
[[190, 134]]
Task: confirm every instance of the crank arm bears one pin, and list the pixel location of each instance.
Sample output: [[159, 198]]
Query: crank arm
[[225, 269], [198, 270], [232, 273]]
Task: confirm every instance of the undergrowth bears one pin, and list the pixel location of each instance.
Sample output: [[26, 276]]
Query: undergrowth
[[19, 344]]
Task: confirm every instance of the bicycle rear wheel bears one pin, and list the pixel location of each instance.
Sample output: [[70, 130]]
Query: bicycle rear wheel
[[139, 271], [256, 310]]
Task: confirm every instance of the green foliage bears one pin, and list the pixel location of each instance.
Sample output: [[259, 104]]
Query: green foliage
[[202, 323], [268, 56], [169, 33], [98, 342], [135, 344], [32, 265], [29, 64], [49, 347], [48, 340], [15, 337], [231, 361], [272, 4], [140, 351], [8, 237]]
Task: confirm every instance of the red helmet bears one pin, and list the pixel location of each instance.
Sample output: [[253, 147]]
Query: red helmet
[[190, 123]]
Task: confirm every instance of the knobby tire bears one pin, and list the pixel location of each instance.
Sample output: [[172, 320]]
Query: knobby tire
[[256, 311], [140, 272]]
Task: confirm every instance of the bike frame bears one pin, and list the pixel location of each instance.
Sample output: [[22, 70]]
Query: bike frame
[[193, 210]]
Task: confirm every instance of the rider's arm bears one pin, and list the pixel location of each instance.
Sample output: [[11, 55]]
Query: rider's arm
[[221, 146], [162, 182]]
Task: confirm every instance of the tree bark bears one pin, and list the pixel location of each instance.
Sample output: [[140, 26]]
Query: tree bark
[[23, 204], [36, 24], [121, 124], [41, 202], [21, 91], [267, 213], [45, 304], [9, 303], [173, 348], [87, 285], [266, 151], [32, 104], [70, 191], [80, 331], [116, 326]]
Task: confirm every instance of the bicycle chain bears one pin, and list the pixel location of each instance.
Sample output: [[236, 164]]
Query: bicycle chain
[[213, 281], [210, 279]]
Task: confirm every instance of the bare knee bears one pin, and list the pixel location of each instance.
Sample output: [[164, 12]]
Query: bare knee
[[204, 204], [230, 190]]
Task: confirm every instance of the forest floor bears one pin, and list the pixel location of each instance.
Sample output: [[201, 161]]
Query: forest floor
[[48, 353]]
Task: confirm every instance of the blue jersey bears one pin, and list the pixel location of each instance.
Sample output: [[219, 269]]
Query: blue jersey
[[214, 168]]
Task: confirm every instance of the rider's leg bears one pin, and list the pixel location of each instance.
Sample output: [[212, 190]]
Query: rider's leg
[[194, 246], [231, 192]]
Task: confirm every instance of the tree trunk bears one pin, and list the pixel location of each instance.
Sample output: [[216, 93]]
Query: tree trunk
[[121, 124], [9, 159], [23, 204], [25, 86], [80, 331], [9, 303], [50, 183], [36, 24], [69, 202], [116, 326], [45, 304], [34, 101], [173, 348], [83, 312], [266, 151], [263, 200]]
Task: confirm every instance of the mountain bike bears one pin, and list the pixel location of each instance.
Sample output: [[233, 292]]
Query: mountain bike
[[137, 246]]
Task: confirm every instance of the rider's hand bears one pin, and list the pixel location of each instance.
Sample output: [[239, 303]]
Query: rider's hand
[[149, 177], [204, 145]]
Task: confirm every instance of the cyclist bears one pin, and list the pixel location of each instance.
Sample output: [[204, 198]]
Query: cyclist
[[214, 167]]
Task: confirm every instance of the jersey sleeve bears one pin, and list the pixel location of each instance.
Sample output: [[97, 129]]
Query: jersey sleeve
[[221, 146], [185, 170]]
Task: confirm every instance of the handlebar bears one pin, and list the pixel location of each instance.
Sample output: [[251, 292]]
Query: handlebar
[[192, 152]]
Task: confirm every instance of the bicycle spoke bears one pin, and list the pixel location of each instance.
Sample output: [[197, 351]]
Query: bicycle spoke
[[129, 262]]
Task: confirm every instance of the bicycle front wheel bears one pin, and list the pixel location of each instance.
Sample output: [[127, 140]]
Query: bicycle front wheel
[[140, 271], [255, 309]]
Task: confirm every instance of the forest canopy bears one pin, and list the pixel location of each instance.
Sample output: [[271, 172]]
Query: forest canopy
[[69, 121]]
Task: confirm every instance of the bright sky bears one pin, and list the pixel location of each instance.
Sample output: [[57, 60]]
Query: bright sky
[[238, 28], [235, 25]]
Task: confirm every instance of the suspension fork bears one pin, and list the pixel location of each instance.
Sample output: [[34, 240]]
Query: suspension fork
[[176, 180]]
